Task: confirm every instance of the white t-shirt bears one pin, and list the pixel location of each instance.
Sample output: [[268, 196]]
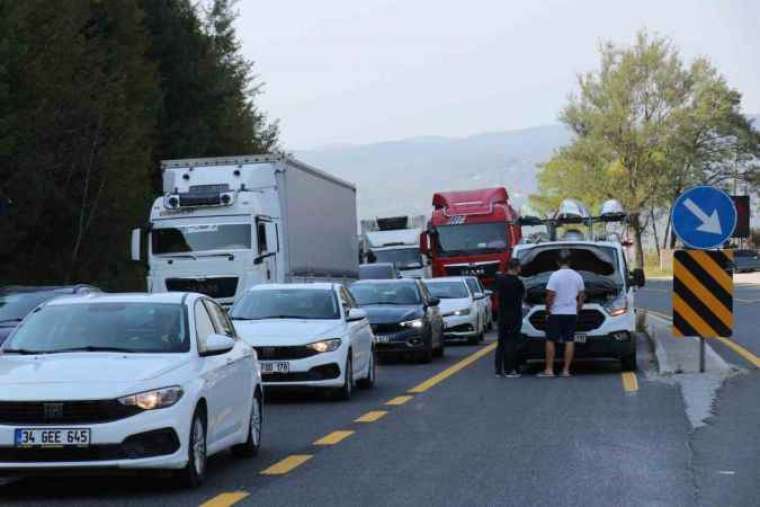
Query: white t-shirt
[[566, 284]]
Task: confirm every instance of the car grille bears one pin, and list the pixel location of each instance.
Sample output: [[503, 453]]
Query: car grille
[[67, 412], [222, 287], [388, 328], [588, 320], [292, 352], [480, 270]]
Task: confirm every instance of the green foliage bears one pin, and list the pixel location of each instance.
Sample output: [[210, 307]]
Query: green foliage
[[647, 127], [92, 94]]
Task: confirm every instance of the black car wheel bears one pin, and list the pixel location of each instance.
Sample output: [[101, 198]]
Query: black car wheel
[[195, 471], [369, 381]]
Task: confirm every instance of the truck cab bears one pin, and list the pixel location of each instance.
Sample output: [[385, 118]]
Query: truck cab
[[471, 233]]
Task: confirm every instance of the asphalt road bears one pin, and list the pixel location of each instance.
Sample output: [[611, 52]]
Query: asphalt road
[[466, 437]]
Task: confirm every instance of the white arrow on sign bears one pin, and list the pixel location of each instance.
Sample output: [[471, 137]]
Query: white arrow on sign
[[710, 223]]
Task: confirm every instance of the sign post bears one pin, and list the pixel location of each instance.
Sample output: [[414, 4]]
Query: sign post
[[704, 218]]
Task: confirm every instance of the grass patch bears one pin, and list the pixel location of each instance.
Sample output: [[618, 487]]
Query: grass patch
[[652, 266]]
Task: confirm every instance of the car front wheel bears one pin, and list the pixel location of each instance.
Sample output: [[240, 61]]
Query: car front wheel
[[368, 382], [346, 390], [195, 471], [255, 422]]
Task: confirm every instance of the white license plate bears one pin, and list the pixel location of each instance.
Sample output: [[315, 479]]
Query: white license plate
[[580, 338], [382, 339], [275, 367], [52, 437]]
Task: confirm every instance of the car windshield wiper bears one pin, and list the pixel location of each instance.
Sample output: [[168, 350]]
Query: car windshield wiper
[[90, 348], [22, 351]]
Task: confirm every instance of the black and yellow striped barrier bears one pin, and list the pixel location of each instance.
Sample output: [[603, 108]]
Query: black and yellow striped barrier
[[703, 293]]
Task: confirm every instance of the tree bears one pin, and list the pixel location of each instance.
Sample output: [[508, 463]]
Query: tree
[[646, 126]]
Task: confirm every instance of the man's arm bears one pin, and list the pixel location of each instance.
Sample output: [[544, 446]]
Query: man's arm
[[550, 296], [580, 299]]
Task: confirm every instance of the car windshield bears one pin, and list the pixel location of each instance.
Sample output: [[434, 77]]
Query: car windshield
[[376, 271], [14, 307], [403, 258], [199, 238], [404, 293], [448, 290], [459, 239], [316, 304], [102, 326]]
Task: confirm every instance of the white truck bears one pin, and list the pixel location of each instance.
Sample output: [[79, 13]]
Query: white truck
[[395, 240], [226, 224]]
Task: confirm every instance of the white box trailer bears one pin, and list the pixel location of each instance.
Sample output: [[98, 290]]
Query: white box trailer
[[226, 224]]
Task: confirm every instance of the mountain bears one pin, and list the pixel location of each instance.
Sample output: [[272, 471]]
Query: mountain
[[400, 177]]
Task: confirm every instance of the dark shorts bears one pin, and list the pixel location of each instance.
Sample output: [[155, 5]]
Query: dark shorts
[[561, 328]]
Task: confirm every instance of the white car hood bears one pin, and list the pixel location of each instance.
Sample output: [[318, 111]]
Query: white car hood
[[452, 305], [284, 332], [79, 376]]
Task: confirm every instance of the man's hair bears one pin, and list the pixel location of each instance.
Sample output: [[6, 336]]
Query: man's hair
[[513, 264], [564, 257]]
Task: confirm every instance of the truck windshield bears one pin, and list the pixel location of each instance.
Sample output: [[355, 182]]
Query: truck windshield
[[468, 238], [403, 258], [199, 238]]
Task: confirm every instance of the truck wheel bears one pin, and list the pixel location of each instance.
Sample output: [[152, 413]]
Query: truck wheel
[[628, 362]]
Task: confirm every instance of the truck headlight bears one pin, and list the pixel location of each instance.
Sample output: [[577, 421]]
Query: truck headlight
[[151, 400], [617, 306], [459, 313], [325, 345], [416, 323]]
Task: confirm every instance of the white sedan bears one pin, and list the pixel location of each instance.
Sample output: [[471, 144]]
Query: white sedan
[[132, 381], [483, 298], [308, 335], [461, 311]]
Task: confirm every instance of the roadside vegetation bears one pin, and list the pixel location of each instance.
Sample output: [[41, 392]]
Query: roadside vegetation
[[93, 93], [647, 126]]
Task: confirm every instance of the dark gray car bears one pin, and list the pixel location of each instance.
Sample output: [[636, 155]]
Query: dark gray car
[[746, 261]]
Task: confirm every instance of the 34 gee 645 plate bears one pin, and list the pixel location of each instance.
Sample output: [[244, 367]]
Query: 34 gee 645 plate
[[51, 437]]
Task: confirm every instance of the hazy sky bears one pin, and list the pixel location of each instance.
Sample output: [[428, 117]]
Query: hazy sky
[[358, 71]]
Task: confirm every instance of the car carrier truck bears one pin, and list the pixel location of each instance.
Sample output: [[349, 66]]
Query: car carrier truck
[[229, 223]]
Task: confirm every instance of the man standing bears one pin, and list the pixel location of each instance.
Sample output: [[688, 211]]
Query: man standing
[[511, 292], [564, 301]]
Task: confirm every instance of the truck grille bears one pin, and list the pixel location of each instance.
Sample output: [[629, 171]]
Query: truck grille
[[63, 412], [480, 270], [588, 320], [291, 352], [223, 287]]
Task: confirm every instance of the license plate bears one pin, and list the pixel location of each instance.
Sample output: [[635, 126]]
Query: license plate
[[275, 367], [382, 339], [52, 437], [580, 338]]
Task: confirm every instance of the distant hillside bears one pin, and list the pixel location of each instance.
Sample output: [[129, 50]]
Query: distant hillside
[[400, 177]]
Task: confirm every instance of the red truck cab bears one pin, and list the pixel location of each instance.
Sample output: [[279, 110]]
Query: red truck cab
[[471, 232]]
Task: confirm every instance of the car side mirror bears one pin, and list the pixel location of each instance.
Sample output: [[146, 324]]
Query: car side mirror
[[489, 293], [355, 314], [217, 344], [478, 296], [434, 301], [637, 278]]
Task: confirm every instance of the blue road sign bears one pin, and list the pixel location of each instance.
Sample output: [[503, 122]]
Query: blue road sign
[[704, 217]]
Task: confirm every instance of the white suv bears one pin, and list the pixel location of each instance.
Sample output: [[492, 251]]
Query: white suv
[[606, 324]]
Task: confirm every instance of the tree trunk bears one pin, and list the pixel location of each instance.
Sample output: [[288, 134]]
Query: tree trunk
[[637, 238], [656, 238], [668, 230]]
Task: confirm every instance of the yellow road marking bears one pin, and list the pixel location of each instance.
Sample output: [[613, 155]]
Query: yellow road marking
[[746, 354], [630, 382], [451, 370], [286, 465], [399, 400], [334, 437], [225, 499], [372, 416]]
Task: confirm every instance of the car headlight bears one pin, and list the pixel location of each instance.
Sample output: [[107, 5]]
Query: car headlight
[[416, 323], [459, 313], [325, 345], [617, 306], [151, 400]]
